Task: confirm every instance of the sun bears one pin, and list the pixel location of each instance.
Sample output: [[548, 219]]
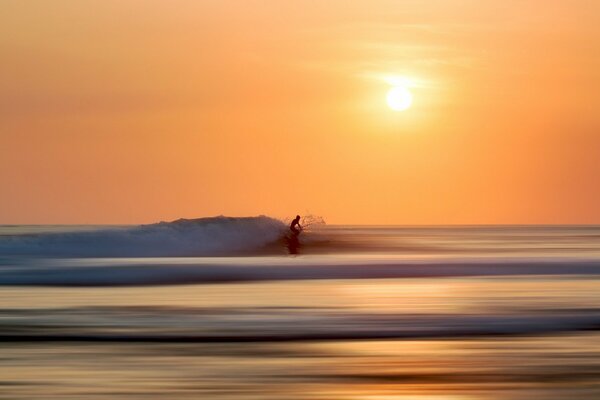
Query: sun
[[399, 98]]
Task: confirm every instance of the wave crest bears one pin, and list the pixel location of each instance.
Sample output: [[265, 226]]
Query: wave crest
[[184, 237]]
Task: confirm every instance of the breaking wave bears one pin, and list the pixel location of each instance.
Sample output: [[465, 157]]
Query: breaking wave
[[184, 237], [191, 324], [208, 270]]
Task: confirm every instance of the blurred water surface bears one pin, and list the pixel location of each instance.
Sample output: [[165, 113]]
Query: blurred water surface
[[529, 333]]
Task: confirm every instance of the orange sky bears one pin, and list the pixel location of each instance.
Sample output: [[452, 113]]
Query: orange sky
[[134, 111]]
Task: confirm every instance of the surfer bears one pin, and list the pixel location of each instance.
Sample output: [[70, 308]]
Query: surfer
[[295, 226], [293, 243]]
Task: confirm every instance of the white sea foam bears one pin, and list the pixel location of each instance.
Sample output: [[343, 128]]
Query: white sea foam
[[206, 270]]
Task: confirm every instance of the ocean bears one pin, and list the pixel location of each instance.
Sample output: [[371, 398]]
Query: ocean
[[217, 308]]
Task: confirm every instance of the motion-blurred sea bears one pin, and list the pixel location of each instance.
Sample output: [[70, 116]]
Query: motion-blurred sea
[[216, 308]]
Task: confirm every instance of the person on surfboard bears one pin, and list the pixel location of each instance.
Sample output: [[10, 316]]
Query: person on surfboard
[[295, 226], [293, 243]]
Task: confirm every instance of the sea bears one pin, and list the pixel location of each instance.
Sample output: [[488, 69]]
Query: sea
[[221, 308]]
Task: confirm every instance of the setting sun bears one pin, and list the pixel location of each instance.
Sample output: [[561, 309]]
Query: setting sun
[[399, 98]]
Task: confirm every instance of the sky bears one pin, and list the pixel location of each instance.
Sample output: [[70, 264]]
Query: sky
[[136, 111]]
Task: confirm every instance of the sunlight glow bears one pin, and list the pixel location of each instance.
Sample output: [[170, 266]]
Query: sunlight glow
[[399, 98], [404, 81]]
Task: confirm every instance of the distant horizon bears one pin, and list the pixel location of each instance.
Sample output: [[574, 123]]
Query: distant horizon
[[283, 219]]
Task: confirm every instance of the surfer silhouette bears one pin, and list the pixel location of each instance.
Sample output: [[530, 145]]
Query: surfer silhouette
[[293, 243], [295, 226]]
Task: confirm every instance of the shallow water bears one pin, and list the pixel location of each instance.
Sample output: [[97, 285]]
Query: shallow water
[[469, 313]]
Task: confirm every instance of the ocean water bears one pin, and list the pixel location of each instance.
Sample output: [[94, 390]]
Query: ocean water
[[217, 308]]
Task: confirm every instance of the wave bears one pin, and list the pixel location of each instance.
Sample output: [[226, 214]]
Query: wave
[[184, 237], [173, 324], [186, 271]]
